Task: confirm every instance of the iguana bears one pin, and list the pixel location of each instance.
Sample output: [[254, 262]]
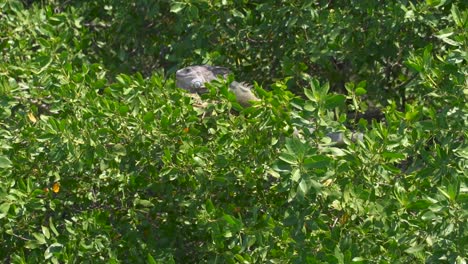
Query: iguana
[[193, 79]]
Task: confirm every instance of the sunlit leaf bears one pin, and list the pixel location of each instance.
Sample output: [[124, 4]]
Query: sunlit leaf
[[52, 227], [288, 158], [31, 117], [4, 208], [144, 203], [176, 7], [5, 162], [296, 174], [415, 249], [45, 231], [40, 239], [457, 17], [303, 186]]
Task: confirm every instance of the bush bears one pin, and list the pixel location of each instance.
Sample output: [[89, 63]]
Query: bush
[[102, 165]]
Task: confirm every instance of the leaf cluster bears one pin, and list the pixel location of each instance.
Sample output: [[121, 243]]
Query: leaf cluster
[[100, 165]]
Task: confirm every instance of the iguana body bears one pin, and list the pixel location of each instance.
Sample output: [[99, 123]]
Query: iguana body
[[193, 79]]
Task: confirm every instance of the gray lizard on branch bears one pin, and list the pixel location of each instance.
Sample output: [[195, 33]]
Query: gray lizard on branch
[[193, 79]]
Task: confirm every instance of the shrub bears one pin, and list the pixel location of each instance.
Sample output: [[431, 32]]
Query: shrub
[[101, 165]]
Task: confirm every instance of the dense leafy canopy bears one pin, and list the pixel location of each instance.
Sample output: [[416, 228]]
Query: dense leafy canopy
[[104, 160]]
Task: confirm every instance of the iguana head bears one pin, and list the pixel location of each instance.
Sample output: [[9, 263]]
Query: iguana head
[[193, 78]]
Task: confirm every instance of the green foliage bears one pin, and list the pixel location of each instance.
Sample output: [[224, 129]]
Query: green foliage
[[99, 165], [265, 41]]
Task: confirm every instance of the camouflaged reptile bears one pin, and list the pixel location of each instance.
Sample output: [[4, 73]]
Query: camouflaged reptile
[[194, 78]]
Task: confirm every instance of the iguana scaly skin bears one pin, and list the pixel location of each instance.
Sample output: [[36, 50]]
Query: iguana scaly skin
[[193, 79]]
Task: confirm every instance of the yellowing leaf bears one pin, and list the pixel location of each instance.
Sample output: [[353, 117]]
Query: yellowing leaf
[[31, 117], [56, 187], [328, 182]]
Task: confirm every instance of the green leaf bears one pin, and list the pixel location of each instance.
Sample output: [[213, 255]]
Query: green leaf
[[309, 107], [199, 161], [451, 192], [229, 219], [227, 234], [419, 205], [148, 117], [296, 147], [123, 109], [32, 244], [288, 158], [5, 162], [444, 193], [40, 239], [337, 152], [144, 203], [45, 231], [428, 216], [4, 208], [415, 249], [339, 255], [150, 259], [119, 149], [192, 12], [333, 101], [358, 259], [209, 206], [457, 16], [308, 93], [240, 259], [393, 156], [303, 187], [323, 90], [361, 91], [122, 79], [415, 65], [317, 186], [296, 174], [69, 228], [52, 227], [176, 7], [449, 41], [317, 162], [54, 248]]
